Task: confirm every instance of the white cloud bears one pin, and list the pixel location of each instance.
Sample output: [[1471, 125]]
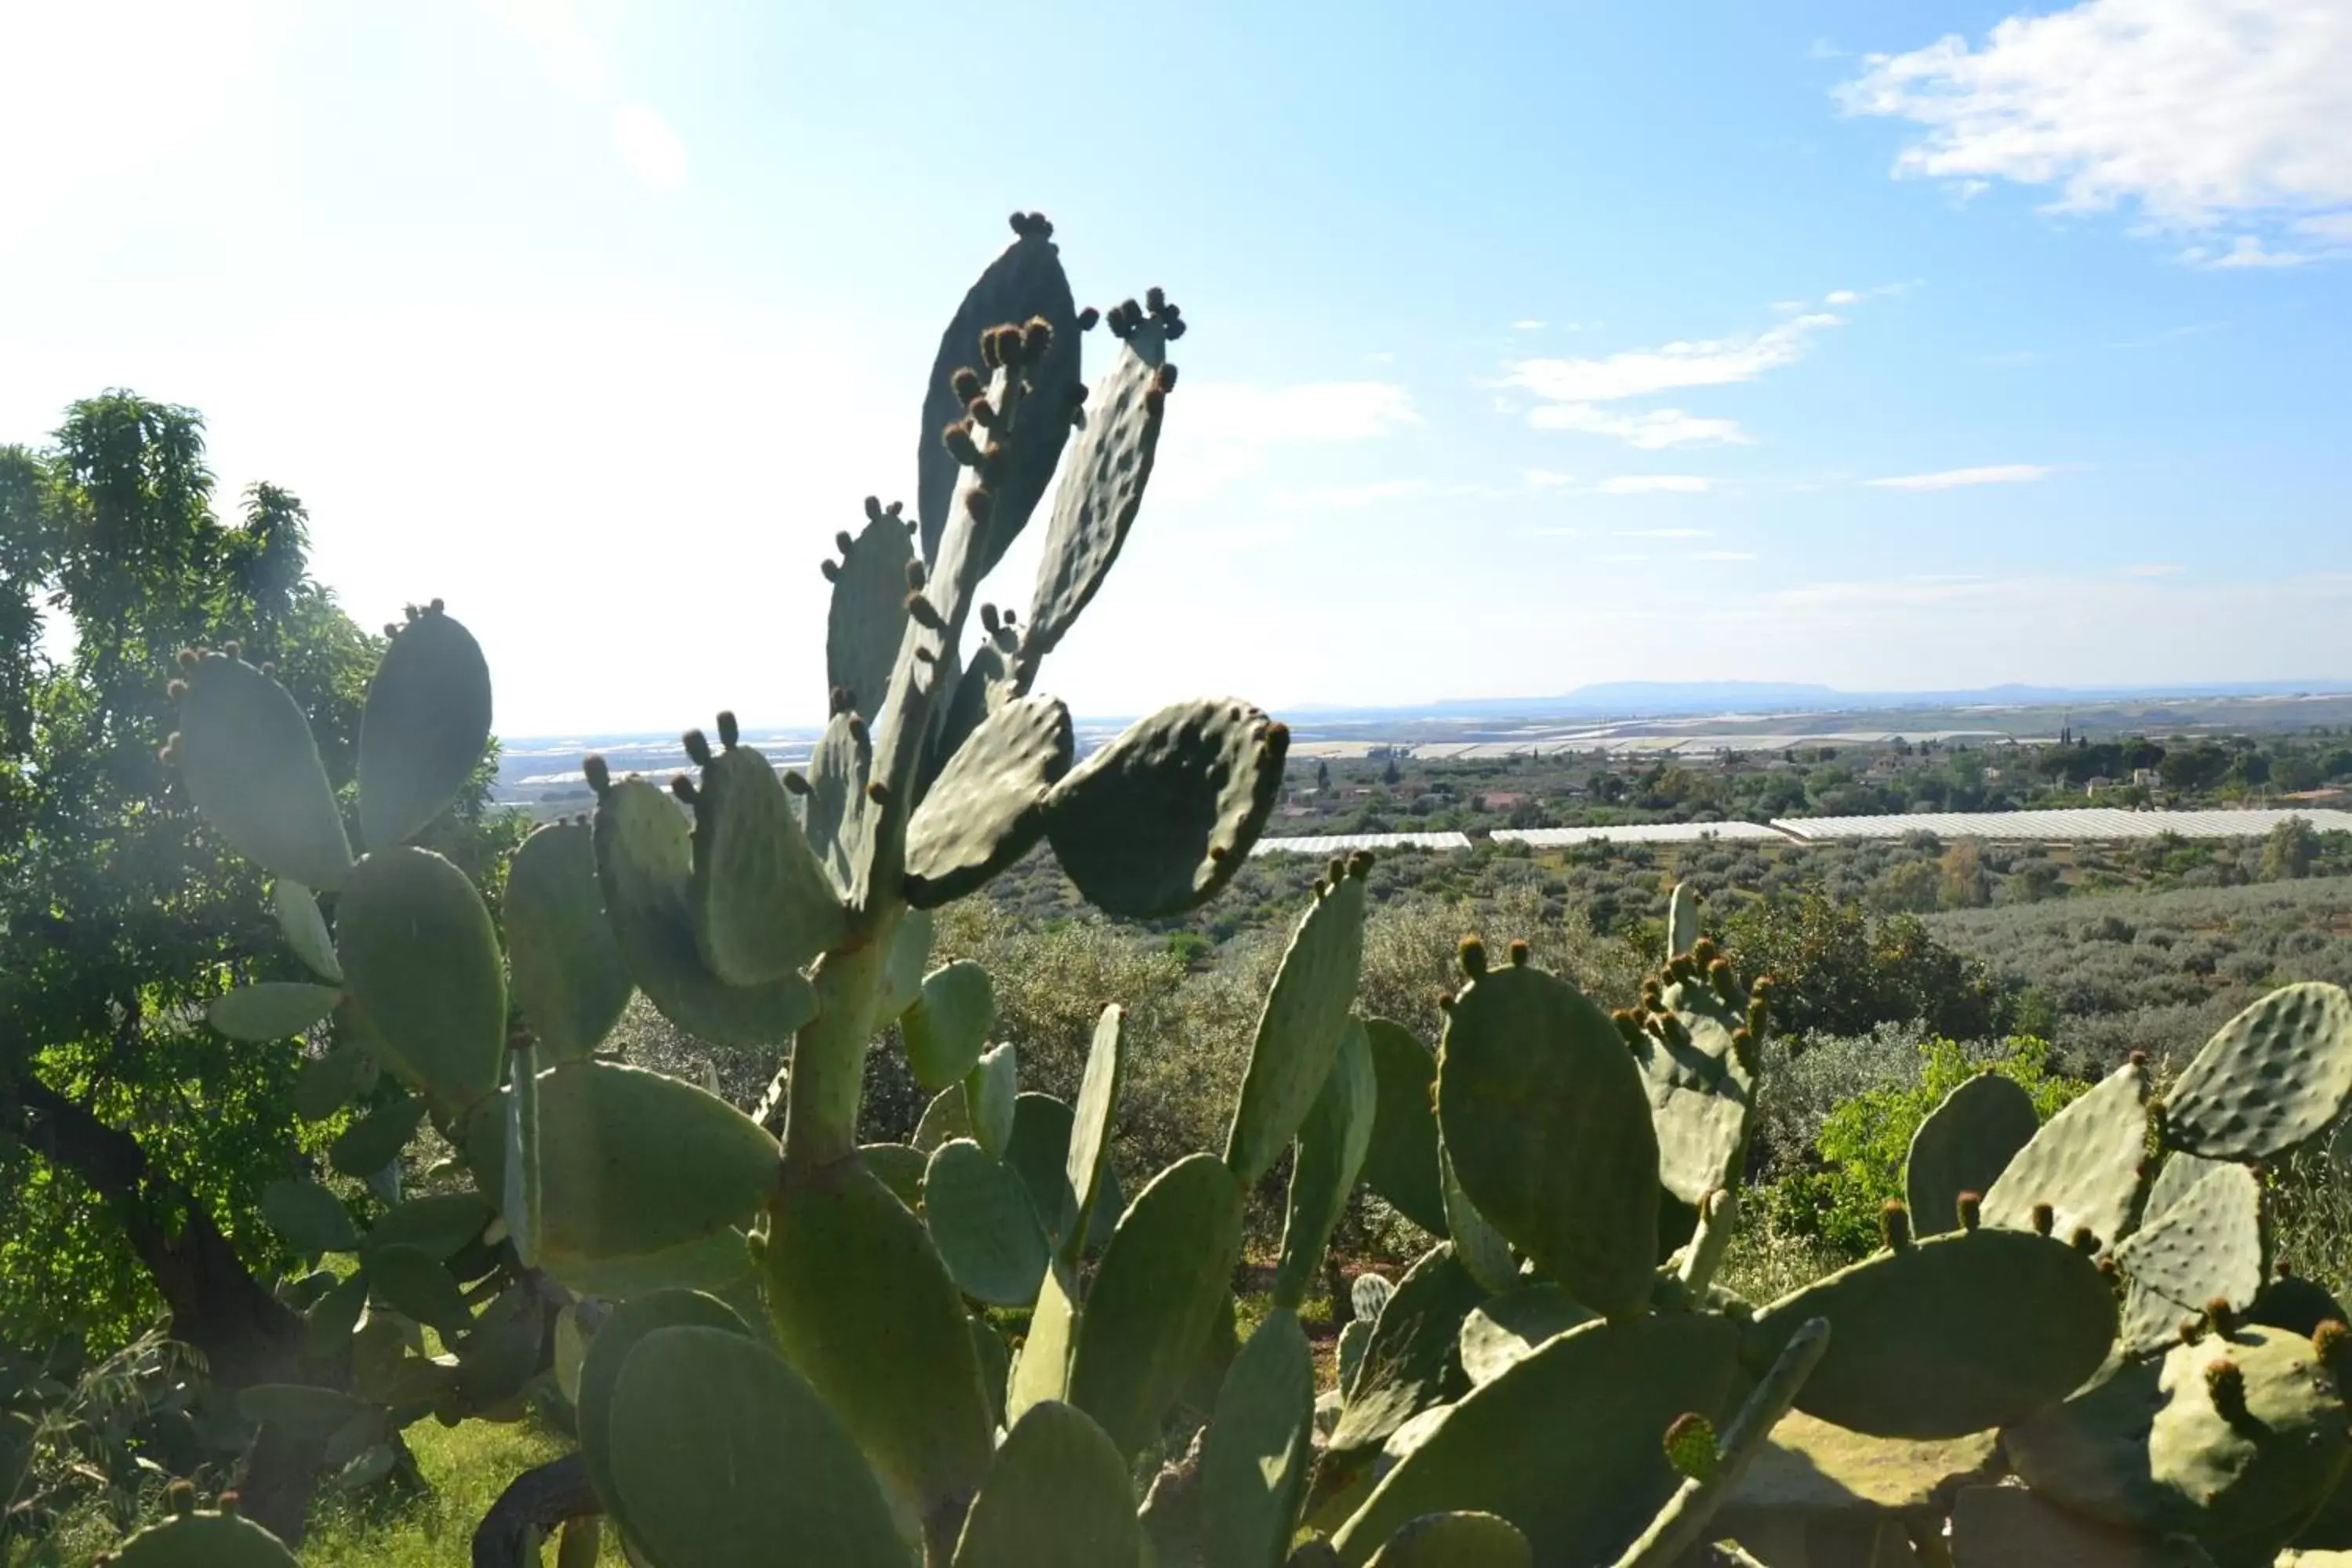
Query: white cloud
[[2198, 113], [1955, 479], [1547, 480], [1652, 432], [1725, 555], [1528, 325], [1841, 297], [1322, 498], [1640, 372], [1666, 533], [1227, 431], [1651, 484], [648, 146]]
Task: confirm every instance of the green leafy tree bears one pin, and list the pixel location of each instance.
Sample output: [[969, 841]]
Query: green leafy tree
[[1838, 970], [2290, 850]]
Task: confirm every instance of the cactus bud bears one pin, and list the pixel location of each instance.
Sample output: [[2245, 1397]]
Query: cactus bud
[[1681, 968], [1155, 299], [925, 614], [796, 783], [683, 787], [874, 505], [228, 1504], [1472, 952], [180, 1498], [1360, 863], [729, 731], [857, 730], [988, 621], [1703, 953], [1894, 1226], [1171, 326], [2140, 1059], [1444, 1005], [982, 504], [991, 351], [2222, 1315], [269, 668], [1971, 1210], [1520, 953], [1320, 887], [168, 753], [1087, 318], [1763, 983], [1718, 974], [2083, 1241], [1743, 1047], [599, 775], [843, 542], [698, 748], [878, 793], [2044, 1219], [925, 653], [1690, 1447], [2332, 1343], [187, 657], [1654, 996], [831, 568], [966, 384], [960, 445], [1036, 339], [2191, 1328], [176, 688], [981, 412], [2227, 1386], [1165, 379], [1629, 1025]]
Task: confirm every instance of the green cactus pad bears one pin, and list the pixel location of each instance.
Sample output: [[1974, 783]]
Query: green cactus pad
[[2298, 1305], [2089, 1163], [422, 961], [1087, 1162], [903, 967], [1565, 1444], [833, 816], [987, 807], [1041, 1369], [1348, 1355], [334, 1315], [1457, 1540], [251, 768], [325, 1084], [1701, 1094], [1503, 1331], [500, 1353], [1682, 919], [635, 1163], [943, 1119], [866, 618], [900, 1168], [1544, 1114], [980, 688], [1043, 1128], [426, 723], [722, 1455], [1159, 819], [1947, 1336], [2174, 1179], [644, 864], [272, 1010], [1300, 1029], [764, 907], [1100, 495], [2010, 1527], [609, 1347], [2253, 1479], [989, 1093], [438, 1226], [297, 909], [1261, 1436], [1167, 1270], [1413, 1360], [520, 1186], [981, 1219], [413, 1282], [867, 1311], [1481, 1247], [310, 1218], [947, 1028], [1330, 1152], [1056, 1496], [375, 1140], [2206, 1245], [1963, 1146], [565, 968], [203, 1540], [1401, 1164], [2273, 1076]]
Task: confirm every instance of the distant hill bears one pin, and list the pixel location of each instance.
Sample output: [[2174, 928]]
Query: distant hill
[[1633, 699]]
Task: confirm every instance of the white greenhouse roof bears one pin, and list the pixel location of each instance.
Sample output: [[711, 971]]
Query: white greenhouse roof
[[1639, 833], [2092, 822], [1342, 843]]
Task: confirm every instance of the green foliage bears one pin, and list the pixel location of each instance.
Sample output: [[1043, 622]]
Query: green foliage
[[1838, 972], [1862, 1145]]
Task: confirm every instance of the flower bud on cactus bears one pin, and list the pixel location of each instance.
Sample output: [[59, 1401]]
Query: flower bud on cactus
[[831, 568], [966, 384], [683, 787], [1165, 380], [1087, 318], [797, 784], [1894, 1226], [2332, 1343], [1520, 953], [729, 731], [1472, 952], [188, 658], [180, 1497], [175, 689], [1971, 1210], [2083, 1241], [2227, 1385], [1690, 1447], [960, 445], [698, 748], [598, 774], [2222, 1315], [1704, 953], [2044, 1220]]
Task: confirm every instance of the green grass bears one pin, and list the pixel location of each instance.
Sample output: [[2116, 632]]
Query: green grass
[[465, 1468]]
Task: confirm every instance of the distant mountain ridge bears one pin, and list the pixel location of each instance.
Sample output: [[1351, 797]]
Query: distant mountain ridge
[[1638, 698]]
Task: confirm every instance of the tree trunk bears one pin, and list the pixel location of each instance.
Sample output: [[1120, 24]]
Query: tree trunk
[[245, 1333], [533, 1504]]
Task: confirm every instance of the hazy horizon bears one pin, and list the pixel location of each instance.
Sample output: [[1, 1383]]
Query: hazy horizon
[[1927, 351]]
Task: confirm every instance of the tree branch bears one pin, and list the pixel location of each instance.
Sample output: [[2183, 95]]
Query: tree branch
[[534, 1504]]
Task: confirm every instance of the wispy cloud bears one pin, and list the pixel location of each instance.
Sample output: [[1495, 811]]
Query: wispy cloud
[[1666, 533], [1725, 555], [1573, 394], [1956, 479], [1230, 429], [2152, 569], [1349, 497], [1529, 325], [1653, 484], [1654, 431], [2203, 114]]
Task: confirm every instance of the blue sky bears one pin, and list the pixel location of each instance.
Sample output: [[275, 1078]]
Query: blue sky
[[1887, 347]]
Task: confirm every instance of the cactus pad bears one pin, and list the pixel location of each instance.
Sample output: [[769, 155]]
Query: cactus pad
[[1479, 1245], [2207, 1245], [1043, 1128], [1457, 1540], [2010, 1527], [2273, 1076], [2089, 1163], [944, 1117], [1505, 1331], [1168, 1269], [599, 1368], [1330, 1152], [375, 1140], [2174, 1179], [1100, 495], [866, 1310], [1261, 1436], [990, 1090], [421, 958], [866, 618], [644, 864], [297, 909], [981, 1219], [835, 813], [1682, 919], [1025, 281], [423, 732], [1042, 1370], [436, 1225], [987, 807], [203, 1540], [1701, 1094], [1400, 1165], [1056, 1496], [1159, 819], [312, 1219], [2245, 1481], [414, 1283], [1947, 1336], [1085, 1163], [1301, 1027], [272, 1010], [720, 1452], [1565, 1444], [763, 906], [1963, 1146], [568, 975], [947, 1028], [1411, 1362], [1544, 1115], [250, 767]]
